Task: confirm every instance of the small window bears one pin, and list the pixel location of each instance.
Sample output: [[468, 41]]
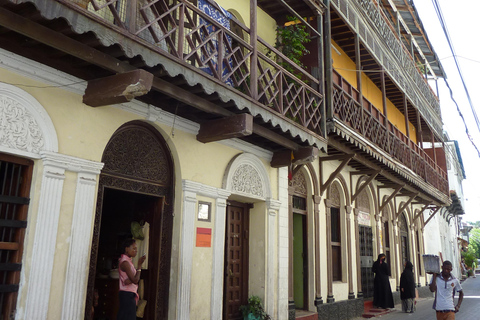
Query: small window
[[15, 179], [336, 244]]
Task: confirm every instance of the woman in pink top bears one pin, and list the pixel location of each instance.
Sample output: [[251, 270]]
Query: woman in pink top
[[128, 281]]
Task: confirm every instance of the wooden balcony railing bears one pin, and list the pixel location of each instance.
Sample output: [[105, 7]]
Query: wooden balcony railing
[[369, 122], [190, 36], [378, 36]]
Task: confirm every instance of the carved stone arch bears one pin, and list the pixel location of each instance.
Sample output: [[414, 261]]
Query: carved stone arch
[[334, 194], [362, 202], [369, 193], [388, 212], [313, 176], [342, 190], [246, 176], [139, 169], [402, 222], [299, 183], [407, 213], [25, 126]]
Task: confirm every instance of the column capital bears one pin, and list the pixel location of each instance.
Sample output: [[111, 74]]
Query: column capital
[[273, 204], [328, 203], [69, 163]]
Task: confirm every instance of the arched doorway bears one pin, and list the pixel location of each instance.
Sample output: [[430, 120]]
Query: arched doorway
[[135, 188], [403, 237], [298, 198]]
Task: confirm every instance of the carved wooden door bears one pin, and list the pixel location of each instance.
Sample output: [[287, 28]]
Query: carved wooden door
[[236, 260]]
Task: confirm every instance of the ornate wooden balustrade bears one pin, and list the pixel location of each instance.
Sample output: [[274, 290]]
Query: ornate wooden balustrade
[[370, 123], [190, 36], [383, 43]]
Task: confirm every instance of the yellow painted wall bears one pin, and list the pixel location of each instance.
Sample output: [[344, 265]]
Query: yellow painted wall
[[83, 132], [346, 68], [241, 9]]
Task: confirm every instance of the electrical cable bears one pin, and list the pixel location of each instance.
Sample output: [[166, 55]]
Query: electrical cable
[[452, 49]]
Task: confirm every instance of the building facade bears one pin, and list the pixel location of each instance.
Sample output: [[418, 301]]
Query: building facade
[[239, 171]]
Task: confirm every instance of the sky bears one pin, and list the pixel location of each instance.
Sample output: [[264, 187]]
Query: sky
[[461, 18]]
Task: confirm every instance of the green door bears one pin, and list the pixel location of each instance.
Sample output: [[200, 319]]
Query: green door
[[299, 261]]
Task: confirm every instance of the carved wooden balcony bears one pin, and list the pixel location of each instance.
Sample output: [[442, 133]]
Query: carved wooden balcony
[[187, 35], [371, 124], [377, 34]]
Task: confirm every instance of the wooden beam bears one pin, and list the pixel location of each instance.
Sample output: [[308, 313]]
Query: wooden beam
[[119, 88], [305, 155], [413, 196], [235, 126], [346, 160], [281, 158], [431, 216], [397, 190], [299, 157], [421, 211], [364, 185]]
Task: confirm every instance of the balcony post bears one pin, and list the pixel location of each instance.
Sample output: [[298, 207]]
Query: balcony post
[[254, 57], [131, 15], [358, 66], [321, 74], [328, 61], [407, 129]]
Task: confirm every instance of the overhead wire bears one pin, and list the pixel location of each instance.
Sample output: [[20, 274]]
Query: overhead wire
[[441, 19]]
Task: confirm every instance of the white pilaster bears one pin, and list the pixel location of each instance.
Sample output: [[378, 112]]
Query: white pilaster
[[272, 266], [39, 281], [186, 250], [216, 312], [79, 252], [190, 191], [282, 311]]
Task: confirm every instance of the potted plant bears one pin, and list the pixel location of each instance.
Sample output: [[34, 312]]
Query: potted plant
[[253, 310]]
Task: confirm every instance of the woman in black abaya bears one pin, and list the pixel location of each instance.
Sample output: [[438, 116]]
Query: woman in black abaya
[[382, 293], [407, 288]]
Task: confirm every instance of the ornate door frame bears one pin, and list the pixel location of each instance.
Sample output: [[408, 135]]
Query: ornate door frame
[[138, 160]]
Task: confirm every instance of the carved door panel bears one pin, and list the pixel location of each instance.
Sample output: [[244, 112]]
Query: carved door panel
[[236, 260]]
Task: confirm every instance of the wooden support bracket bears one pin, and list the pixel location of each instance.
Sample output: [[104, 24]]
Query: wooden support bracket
[[236, 126], [346, 159], [421, 211], [384, 204], [119, 88], [431, 216], [400, 210], [372, 176]]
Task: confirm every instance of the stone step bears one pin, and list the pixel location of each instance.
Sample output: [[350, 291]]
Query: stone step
[[374, 312]]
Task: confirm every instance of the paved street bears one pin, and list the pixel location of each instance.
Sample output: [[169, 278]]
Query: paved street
[[470, 309]]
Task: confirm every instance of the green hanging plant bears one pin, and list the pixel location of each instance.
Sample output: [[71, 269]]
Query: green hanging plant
[[291, 40]]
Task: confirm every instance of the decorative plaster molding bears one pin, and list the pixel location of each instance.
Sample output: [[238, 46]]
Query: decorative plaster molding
[[70, 163], [44, 243], [25, 127], [246, 176]]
